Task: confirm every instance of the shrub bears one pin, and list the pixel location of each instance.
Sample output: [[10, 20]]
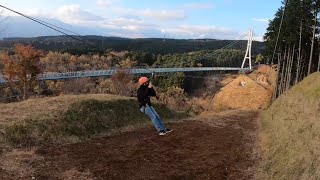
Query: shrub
[[122, 84], [78, 86], [175, 98]]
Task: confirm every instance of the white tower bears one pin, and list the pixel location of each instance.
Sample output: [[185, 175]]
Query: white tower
[[248, 53]]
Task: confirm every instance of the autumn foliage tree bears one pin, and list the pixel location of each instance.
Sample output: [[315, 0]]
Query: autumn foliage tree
[[23, 66], [122, 84]]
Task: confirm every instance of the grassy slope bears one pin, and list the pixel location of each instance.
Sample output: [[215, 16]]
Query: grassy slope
[[290, 138], [71, 118]]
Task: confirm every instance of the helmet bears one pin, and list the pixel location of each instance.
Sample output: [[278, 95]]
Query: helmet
[[143, 80]]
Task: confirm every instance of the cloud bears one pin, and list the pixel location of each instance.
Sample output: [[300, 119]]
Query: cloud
[[194, 31], [136, 23], [130, 27], [198, 5], [73, 14], [163, 14], [126, 34], [129, 24], [259, 38], [105, 3], [160, 15], [262, 20], [36, 12], [136, 28]]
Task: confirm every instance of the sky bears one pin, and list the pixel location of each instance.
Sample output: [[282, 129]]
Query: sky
[[187, 19]]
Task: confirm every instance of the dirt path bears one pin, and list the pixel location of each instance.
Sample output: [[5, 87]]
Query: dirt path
[[213, 146]]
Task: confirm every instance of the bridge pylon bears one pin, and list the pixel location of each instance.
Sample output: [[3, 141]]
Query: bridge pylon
[[248, 52]]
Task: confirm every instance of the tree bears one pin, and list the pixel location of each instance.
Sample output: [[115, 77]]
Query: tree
[[24, 66], [316, 9], [259, 58], [127, 63], [296, 11], [299, 30], [122, 84]]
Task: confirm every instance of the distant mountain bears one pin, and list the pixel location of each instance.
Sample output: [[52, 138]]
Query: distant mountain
[[21, 27], [100, 44], [22, 30]]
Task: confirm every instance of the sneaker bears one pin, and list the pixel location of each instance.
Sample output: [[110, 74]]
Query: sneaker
[[168, 130], [162, 132]]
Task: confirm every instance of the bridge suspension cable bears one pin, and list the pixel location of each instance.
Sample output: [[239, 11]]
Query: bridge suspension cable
[[230, 44], [248, 51]]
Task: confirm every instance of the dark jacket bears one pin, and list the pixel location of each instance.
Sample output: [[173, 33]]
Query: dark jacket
[[144, 94]]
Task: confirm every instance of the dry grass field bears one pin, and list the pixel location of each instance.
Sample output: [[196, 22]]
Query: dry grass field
[[290, 137]]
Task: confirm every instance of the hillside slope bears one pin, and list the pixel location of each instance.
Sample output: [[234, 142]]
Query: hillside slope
[[152, 45], [70, 118], [290, 138]]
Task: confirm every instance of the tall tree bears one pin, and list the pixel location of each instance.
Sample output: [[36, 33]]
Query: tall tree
[[314, 29], [299, 27], [23, 66], [297, 12]]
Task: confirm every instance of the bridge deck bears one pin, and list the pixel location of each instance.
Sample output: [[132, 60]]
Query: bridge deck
[[107, 73]]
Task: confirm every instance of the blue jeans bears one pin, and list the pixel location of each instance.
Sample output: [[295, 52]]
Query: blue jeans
[[153, 115]]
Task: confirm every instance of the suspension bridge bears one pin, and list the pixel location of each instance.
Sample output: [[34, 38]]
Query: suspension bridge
[[134, 71], [143, 71]]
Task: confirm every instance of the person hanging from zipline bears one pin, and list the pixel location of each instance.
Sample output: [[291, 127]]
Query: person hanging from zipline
[[144, 93]]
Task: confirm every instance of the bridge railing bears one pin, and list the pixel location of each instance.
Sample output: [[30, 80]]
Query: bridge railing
[[135, 71], [77, 74], [195, 69]]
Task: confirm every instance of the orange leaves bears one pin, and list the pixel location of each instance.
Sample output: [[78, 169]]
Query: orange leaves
[[23, 66], [26, 62], [122, 84], [10, 66], [28, 53]]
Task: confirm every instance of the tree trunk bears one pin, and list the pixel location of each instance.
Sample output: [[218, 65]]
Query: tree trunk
[[299, 55], [39, 90], [275, 93], [282, 76], [312, 44], [13, 91], [24, 90], [318, 70], [303, 68], [290, 69], [287, 70], [287, 64]]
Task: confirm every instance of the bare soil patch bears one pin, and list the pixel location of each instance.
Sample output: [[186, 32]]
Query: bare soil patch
[[211, 146]]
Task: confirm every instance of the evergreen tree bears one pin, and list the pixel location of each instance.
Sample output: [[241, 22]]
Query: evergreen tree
[[297, 13], [296, 49]]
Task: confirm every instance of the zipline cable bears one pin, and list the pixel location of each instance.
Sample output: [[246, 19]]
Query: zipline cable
[[56, 28]]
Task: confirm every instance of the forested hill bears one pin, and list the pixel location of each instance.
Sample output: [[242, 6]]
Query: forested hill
[[152, 45]]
